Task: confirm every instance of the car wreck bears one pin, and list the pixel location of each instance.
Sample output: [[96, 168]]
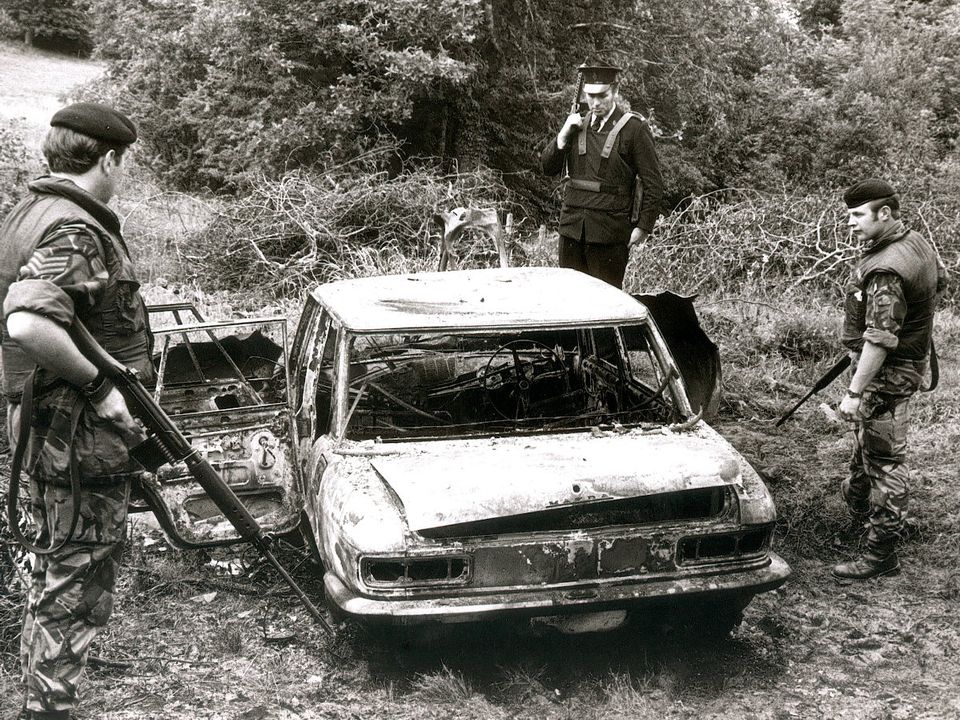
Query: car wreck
[[473, 444]]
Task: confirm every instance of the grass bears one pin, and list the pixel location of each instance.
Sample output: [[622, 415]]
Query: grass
[[35, 83]]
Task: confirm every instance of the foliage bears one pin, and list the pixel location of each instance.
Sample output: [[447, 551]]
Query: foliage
[[290, 233], [770, 244], [231, 90], [791, 100], [16, 166], [757, 94], [58, 23]]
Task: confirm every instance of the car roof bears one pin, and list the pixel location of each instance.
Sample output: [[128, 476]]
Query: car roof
[[477, 299]]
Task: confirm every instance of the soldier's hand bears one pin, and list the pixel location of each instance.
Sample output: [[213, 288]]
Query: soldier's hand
[[113, 408], [849, 409], [637, 238], [573, 124]]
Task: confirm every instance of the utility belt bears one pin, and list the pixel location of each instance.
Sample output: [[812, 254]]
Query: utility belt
[[598, 187]]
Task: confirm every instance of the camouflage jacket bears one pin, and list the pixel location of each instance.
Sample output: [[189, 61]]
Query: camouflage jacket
[[63, 256]]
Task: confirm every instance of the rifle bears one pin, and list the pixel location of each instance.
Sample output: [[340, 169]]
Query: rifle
[[828, 377], [574, 108], [166, 444], [575, 105]]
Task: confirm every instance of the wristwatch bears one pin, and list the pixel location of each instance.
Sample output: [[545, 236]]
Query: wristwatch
[[98, 388], [854, 395]]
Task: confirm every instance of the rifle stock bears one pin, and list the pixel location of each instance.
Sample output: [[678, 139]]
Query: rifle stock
[[166, 444], [828, 377]]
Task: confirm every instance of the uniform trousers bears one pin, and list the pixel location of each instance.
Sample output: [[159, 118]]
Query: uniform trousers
[[607, 262], [71, 592], [878, 486]]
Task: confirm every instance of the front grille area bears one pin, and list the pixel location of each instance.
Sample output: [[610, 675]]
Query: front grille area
[[729, 546], [700, 504], [415, 572]]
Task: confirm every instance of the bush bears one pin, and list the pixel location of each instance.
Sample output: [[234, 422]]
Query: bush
[[17, 166], [58, 24], [770, 244], [290, 233], [230, 91]]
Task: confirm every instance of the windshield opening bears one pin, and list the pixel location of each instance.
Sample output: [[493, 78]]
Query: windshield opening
[[456, 384]]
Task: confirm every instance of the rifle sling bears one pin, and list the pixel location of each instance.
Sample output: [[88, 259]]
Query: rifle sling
[[16, 468]]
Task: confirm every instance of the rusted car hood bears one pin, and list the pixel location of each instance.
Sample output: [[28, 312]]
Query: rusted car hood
[[449, 482]]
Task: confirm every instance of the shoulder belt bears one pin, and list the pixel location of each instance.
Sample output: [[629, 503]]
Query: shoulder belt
[[611, 137]]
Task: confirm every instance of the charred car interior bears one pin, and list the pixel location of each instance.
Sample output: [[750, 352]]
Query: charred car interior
[[225, 385], [455, 384]]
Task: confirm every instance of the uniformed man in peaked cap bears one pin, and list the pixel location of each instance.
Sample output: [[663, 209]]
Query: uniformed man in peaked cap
[[62, 256], [607, 153], [888, 329]]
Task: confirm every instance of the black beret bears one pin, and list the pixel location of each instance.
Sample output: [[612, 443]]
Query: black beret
[[867, 190], [97, 121]]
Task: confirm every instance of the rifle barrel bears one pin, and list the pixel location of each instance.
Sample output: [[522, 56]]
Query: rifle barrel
[[828, 377]]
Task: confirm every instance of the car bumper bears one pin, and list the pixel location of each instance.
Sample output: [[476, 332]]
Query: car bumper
[[579, 598]]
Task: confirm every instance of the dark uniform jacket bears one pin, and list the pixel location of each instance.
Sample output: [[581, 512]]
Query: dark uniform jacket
[[599, 194]]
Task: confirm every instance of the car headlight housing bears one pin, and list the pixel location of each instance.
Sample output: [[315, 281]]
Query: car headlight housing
[[745, 544], [415, 572]]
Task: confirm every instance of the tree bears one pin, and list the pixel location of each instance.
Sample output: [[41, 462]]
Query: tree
[[62, 23], [230, 89], [758, 93]]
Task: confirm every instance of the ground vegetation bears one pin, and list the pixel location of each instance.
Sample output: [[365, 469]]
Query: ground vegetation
[[789, 101]]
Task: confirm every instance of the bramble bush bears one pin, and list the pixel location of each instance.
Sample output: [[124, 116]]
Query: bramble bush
[[287, 234], [772, 244]]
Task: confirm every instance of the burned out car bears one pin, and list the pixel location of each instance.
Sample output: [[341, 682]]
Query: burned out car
[[465, 445], [488, 442]]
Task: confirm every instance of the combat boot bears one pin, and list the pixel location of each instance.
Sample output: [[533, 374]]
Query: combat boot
[[866, 566], [853, 533]]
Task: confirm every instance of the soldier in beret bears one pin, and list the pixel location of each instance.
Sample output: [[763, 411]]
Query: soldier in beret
[[62, 256], [612, 196], [887, 328]]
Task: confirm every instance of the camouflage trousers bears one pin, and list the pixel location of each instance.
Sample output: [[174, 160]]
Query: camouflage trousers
[[71, 591], [878, 486]]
